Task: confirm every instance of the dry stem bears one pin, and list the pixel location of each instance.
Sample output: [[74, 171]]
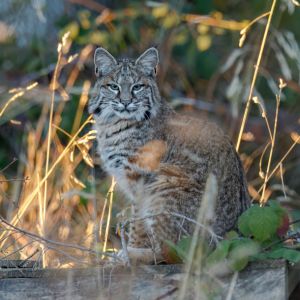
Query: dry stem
[[256, 69]]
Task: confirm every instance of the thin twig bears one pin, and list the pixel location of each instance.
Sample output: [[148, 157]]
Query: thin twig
[[23, 263], [214, 236], [167, 294], [48, 241], [71, 257], [280, 162], [16, 251], [262, 199], [15, 179], [295, 235], [7, 166]]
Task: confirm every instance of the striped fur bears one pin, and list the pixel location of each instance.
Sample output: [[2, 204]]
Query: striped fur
[[160, 160]]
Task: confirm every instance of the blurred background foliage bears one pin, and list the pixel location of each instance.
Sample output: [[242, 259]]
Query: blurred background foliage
[[202, 72]]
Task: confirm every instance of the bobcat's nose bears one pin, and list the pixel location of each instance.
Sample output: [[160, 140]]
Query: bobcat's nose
[[125, 102]]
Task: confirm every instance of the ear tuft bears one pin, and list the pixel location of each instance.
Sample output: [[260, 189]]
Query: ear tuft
[[104, 62], [148, 61]]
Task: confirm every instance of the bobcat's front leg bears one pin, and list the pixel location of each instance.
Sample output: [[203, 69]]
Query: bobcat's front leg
[[141, 247]]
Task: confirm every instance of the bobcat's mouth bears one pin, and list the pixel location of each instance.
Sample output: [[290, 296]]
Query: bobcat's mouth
[[128, 110], [125, 113], [132, 114]]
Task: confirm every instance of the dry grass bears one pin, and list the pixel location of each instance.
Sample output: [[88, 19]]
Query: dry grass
[[48, 222]]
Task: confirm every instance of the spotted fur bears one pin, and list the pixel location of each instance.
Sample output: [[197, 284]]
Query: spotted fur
[[161, 160]]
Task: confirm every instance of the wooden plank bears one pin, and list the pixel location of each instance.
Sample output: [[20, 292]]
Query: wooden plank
[[293, 277], [259, 281], [18, 263]]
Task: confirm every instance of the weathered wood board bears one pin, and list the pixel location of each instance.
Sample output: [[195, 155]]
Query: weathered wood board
[[258, 281]]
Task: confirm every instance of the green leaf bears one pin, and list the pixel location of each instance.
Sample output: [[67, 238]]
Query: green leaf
[[277, 208], [239, 264], [264, 223], [181, 248], [243, 223], [285, 253], [259, 256], [261, 222], [240, 252], [220, 253], [169, 252], [236, 252], [230, 235]]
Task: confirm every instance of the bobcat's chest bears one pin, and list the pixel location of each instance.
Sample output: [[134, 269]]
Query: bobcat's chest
[[117, 145]]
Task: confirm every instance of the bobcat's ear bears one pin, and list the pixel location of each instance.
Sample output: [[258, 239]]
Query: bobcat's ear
[[148, 61], [104, 62]]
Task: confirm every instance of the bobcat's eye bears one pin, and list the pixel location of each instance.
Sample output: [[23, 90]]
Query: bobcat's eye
[[138, 87], [113, 87]]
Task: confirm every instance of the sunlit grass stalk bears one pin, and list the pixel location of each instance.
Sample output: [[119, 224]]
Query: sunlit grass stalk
[[102, 217], [41, 223], [245, 29], [53, 88], [111, 195], [255, 74]]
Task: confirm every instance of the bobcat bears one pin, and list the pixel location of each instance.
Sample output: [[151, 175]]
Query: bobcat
[[160, 159]]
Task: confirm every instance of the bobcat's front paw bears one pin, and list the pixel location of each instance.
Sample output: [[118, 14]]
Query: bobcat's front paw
[[136, 256]]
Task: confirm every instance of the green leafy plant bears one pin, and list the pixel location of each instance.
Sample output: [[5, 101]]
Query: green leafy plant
[[262, 232]]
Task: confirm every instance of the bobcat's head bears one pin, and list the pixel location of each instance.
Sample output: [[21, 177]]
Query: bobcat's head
[[125, 89]]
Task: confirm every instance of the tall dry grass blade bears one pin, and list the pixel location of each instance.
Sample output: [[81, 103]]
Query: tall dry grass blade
[[41, 227], [111, 195], [206, 211], [53, 88], [256, 69], [102, 217]]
